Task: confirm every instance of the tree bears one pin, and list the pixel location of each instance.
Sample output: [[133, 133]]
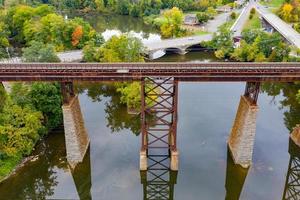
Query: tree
[[233, 15], [19, 130], [46, 98], [77, 35], [285, 12], [246, 52], [100, 5], [202, 17], [4, 33], [172, 26], [39, 52], [222, 42], [298, 96], [124, 48], [297, 27], [211, 12], [3, 97]]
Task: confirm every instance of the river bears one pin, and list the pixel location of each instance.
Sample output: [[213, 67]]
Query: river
[[110, 170]]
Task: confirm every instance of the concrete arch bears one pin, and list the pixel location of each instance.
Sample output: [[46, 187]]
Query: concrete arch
[[175, 50], [196, 47]]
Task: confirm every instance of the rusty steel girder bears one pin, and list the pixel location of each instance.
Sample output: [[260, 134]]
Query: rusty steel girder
[[250, 72], [67, 91], [252, 91]]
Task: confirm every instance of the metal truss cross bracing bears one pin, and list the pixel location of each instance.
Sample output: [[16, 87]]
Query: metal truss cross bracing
[[159, 183], [159, 127], [292, 184], [252, 91], [159, 101]]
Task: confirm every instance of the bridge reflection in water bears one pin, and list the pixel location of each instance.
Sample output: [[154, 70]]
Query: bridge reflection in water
[[292, 184]]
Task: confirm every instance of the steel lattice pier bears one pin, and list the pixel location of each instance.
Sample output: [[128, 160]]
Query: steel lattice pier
[[159, 127], [292, 184]]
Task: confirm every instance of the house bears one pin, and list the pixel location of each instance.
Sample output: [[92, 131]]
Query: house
[[191, 19]]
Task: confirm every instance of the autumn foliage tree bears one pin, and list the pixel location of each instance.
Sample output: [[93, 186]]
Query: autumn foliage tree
[[285, 12], [77, 35]]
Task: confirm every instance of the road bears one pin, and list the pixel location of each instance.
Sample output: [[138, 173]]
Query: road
[[282, 27], [238, 26], [213, 25]]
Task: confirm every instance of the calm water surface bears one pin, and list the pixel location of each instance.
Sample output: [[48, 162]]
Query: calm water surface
[[110, 170]]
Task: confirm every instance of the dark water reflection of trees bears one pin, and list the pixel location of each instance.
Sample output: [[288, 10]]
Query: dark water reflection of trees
[[289, 102], [41, 183], [116, 113]]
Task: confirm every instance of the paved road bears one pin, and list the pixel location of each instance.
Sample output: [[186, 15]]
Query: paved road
[[213, 25], [237, 27], [282, 27]]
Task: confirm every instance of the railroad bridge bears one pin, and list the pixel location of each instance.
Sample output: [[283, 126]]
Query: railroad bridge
[[159, 98]]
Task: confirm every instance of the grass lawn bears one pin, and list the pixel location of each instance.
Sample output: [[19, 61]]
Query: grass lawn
[[253, 23], [200, 32], [273, 3]]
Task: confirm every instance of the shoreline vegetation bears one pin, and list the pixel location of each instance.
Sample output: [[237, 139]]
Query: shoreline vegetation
[[27, 114]]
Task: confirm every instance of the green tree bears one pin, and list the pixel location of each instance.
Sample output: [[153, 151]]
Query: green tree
[[233, 15], [4, 34], [222, 42], [19, 130], [124, 48], [172, 25], [3, 97], [46, 98], [39, 52], [202, 17]]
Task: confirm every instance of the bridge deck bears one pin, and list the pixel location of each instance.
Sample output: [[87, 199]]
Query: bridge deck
[[284, 72], [282, 27], [177, 42]]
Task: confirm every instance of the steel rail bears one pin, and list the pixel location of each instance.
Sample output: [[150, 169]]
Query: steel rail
[[222, 71]]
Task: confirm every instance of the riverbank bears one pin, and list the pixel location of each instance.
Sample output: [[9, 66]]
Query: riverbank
[[27, 114]]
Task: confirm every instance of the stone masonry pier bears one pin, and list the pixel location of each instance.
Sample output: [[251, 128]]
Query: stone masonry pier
[[76, 137], [295, 135], [242, 136]]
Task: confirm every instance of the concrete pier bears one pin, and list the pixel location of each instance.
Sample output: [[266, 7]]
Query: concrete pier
[[76, 137], [174, 160], [242, 136], [295, 135], [143, 160]]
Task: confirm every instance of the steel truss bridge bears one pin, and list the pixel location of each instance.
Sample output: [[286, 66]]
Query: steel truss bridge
[[159, 99], [222, 71]]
